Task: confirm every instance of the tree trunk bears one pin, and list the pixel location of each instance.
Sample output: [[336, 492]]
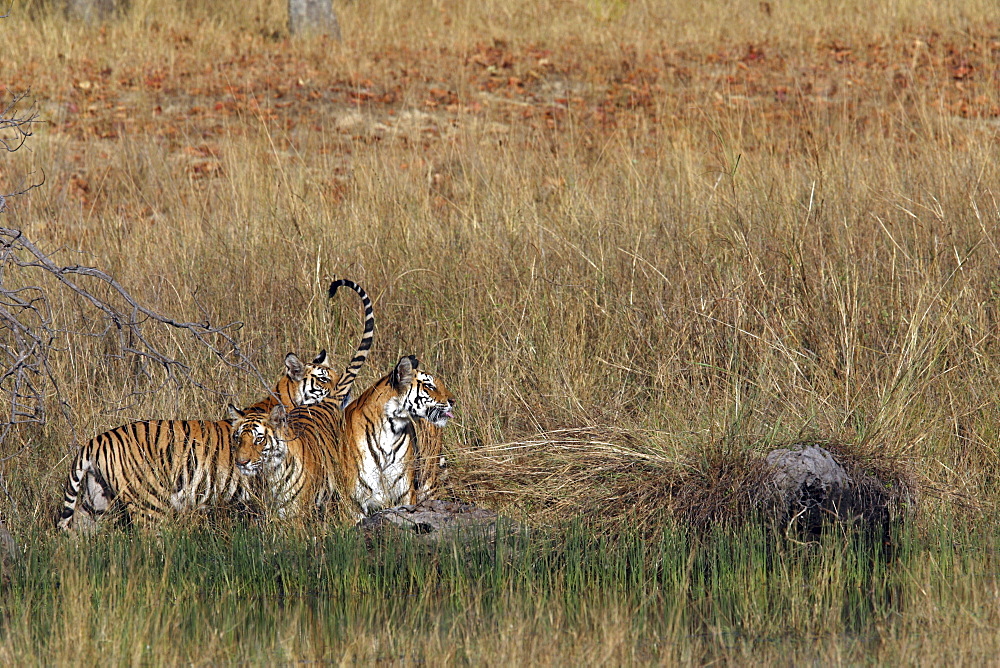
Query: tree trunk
[[312, 17], [93, 11]]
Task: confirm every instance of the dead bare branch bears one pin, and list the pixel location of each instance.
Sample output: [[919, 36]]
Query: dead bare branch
[[16, 126]]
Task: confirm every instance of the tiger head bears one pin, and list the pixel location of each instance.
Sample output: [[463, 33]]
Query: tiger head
[[258, 440], [306, 384], [418, 394]]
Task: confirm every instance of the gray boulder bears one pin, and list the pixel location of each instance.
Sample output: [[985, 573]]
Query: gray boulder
[[809, 486]]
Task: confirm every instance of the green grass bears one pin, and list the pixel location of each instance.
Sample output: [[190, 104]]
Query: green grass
[[242, 594]]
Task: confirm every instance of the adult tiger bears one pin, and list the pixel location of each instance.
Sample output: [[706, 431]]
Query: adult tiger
[[317, 458], [153, 467]]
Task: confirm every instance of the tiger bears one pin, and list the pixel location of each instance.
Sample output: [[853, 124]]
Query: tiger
[[319, 460], [301, 385], [153, 467], [146, 451]]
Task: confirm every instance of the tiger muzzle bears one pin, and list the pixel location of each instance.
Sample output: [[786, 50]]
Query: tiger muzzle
[[245, 466], [440, 415]]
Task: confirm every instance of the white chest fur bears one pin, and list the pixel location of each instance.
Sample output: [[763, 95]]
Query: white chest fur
[[385, 477]]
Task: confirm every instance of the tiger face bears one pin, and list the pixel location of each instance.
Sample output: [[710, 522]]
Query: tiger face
[[257, 438], [307, 384], [419, 395]]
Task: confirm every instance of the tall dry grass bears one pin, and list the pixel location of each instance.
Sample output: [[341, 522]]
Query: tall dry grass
[[630, 236], [698, 235]]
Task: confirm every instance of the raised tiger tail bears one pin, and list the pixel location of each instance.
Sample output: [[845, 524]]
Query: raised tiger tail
[[342, 391]]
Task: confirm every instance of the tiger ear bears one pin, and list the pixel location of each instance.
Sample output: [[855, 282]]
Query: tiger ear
[[234, 413], [402, 375], [321, 358], [279, 416], [294, 368]]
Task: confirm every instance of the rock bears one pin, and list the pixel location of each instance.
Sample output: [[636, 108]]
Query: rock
[[94, 11], [810, 486], [434, 520], [313, 17]]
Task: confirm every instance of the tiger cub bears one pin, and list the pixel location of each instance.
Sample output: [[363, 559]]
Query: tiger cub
[[155, 467], [301, 385], [317, 458]]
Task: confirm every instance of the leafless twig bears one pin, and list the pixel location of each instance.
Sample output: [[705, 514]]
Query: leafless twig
[[16, 126]]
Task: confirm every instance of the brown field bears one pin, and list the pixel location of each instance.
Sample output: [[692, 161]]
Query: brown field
[[634, 238]]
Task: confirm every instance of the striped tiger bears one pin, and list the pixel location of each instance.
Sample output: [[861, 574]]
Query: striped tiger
[[302, 384], [317, 458], [155, 467]]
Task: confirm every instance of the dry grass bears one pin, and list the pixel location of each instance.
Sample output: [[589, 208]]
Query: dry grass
[[712, 237], [725, 238], [643, 244]]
